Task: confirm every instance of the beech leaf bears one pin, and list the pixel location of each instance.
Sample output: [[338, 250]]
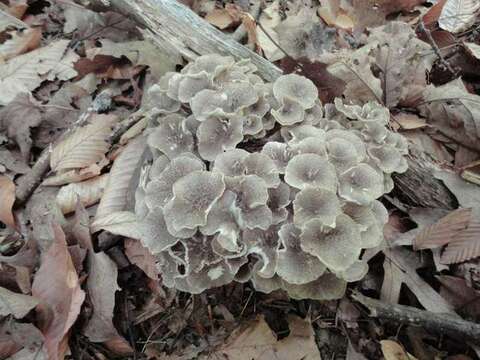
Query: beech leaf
[[15, 304], [443, 231], [458, 15], [464, 246], [119, 223], [85, 146], [57, 286], [88, 192]]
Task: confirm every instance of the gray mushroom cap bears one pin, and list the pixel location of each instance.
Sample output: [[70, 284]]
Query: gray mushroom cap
[[297, 88]]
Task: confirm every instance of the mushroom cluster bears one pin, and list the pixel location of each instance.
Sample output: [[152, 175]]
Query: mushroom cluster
[[294, 214]]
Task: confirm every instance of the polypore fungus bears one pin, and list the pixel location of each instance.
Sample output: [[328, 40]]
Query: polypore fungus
[[253, 181]]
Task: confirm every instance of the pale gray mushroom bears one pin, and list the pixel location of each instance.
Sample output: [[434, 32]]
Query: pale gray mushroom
[[252, 124], [278, 200], [355, 272], [263, 244], [231, 163], [261, 165], [199, 253], [310, 145], [295, 134], [305, 170], [160, 189], [212, 64], [279, 152], [266, 285], [352, 138], [342, 154], [194, 196], [290, 112], [361, 184], [338, 247], [190, 85], [371, 228], [297, 88], [316, 203], [154, 233], [326, 287], [218, 134], [158, 100], [388, 159], [293, 265], [171, 137]]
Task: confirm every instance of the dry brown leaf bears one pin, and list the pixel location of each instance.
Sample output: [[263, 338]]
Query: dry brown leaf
[[76, 175], [121, 184], [7, 198], [257, 341], [101, 286], [409, 121], [392, 350], [464, 298], [465, 245], [458, 15], [443, 231], [473, 49], [122, 223], [400, 267], [87, 192], [140, 256], [269, 19], [21, 42], [7, 20], [220, 18], [57, 286], [15, 304], [85, 146], [26, 72]]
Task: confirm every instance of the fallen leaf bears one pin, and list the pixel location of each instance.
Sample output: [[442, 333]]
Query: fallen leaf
[[140, 256], [88, 192], [465, 245], [121, 185], [392, 350], [15, 304], [19, 43], [432, 15], [467, 194], [83, 21], [409, 121], [464, 298], [101, 286], [85, 146], [7, 199], [353, 354], [443, 231], [122, 223], [473, 49], [21, 115], [26, 72], [400, 267], [269, 19], [257, 341], [57, 286], [458, 15], [220, 18]]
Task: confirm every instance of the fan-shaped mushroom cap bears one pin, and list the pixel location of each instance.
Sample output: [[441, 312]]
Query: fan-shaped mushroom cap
[[231, 163], [398, 141], [310, 170], [381, 213], [171, 137], [295, 134], [221, 220], [355, 272], [326, 287], [194, 195], [278, 200], [199, 252], [264, 244], [290, 112], [157, 99], [374, 132], [373, 112], [338, 247], [159, 164], [266, 285], [190, 85], [159, 190], [215, 135], [154, 233], [252, 124], [261, 165], [361, 184], [350, 111], [310, 145], [371, 230], [297, 88], [342, 154], [279, 153], [293, 265], [211, 64], [388, 159], [349, 136], [210, 276], [316, 203], [314, 115]]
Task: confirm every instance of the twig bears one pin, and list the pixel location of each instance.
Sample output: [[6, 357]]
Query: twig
[[422, 28], [241, 31], [436, 322]]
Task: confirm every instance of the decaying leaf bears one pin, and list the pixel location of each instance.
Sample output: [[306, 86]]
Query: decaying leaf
[[25, 73], [458, 15], [269, 19], [119, 223], [15, 304], [444, 230], [85, 146], [122, 182], [400, 267], [463, 297], [220, 18], [57, 286], [257, 341], [142, 257], [465, 245], [454, 111], [88, 192], [392, 350], [7, 198], [21, 42]]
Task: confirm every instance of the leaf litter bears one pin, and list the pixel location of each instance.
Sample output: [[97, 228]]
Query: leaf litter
[[67, 290]]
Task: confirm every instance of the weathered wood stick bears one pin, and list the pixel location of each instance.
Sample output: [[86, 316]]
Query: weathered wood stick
[[178, 30], [435, 322]]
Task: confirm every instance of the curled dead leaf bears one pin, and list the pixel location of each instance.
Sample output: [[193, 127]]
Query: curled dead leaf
[[7, 198], [87, 192]]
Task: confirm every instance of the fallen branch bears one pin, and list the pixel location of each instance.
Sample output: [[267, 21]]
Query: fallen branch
[[436, 322]]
